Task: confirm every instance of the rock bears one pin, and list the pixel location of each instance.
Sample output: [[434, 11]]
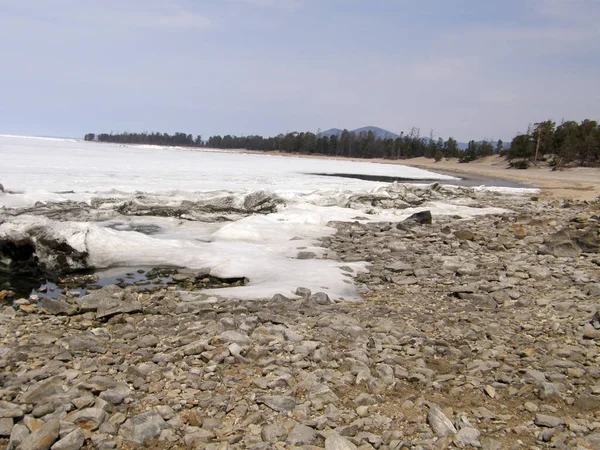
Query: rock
[[116, 395], [235, 337], [92, 301], [305, 292], [468, 436], [320, 298], [420, 218], [587, 402], [42, 390], [543, 420], [440, 424], [6, 426], [280, 403], [43, 438], [302, 435], [111, 306], [306, 255], [17, 435], [88, 418], [280, 298], [72, 441], [55, 307], [142, 427], [337, 442], [273, 433], [464, 235]]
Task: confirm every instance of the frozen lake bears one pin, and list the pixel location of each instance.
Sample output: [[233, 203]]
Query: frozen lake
[[58, 165], [114, 192]]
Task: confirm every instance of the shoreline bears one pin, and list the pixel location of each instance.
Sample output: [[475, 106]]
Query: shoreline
[[576, 183]]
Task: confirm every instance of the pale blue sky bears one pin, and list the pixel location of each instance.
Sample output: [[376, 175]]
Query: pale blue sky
[[464, 68]]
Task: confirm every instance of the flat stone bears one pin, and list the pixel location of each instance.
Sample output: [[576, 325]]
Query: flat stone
[[72, 441], [142, 427], [43, 438], [88, 419], [543, 420], [55, 307], [280, 403]]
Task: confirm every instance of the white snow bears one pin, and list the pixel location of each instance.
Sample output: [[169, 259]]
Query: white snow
[[260, 247]]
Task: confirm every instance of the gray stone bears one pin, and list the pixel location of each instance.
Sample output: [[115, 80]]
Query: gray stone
[[468, 436], [72, 441], [302, 435], [142, 427], [6, 426], [280, 298], [337, 442], [92, 301], [320, 298], [43, 438], [543, 420], [306, 255], [303, 292], [273, 433], [440, 424], [17, 435], [280, 403], [236, 337], [41, 390], [55, 307], [116, 395]]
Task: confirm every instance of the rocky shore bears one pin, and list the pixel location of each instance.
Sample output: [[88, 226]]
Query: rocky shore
[[472, 334]]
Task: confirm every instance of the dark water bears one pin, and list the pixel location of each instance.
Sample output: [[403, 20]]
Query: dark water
[[25, 285], [468, 181], [79, 284]]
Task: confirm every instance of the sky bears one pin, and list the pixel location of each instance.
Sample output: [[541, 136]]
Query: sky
[[470, 69]]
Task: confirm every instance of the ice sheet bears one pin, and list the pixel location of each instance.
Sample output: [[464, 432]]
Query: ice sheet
[[262, 248]]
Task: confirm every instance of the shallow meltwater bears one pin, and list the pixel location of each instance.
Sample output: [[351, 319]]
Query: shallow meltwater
[[14, 287]]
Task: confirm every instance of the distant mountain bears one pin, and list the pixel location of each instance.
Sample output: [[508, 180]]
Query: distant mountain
[[379, 133]]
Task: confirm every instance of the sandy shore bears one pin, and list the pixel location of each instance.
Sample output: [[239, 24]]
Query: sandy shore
[[577, 183]]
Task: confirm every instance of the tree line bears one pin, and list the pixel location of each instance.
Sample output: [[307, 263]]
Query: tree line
[[570, 142], [177, 139], [363, 145]]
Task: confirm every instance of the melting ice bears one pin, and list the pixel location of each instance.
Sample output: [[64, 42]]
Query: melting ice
[[127, 206]]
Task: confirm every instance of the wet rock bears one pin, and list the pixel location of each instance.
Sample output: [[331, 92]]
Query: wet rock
[[419, 218]]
